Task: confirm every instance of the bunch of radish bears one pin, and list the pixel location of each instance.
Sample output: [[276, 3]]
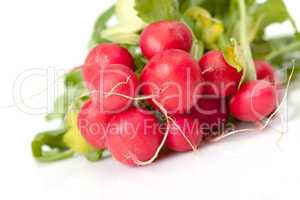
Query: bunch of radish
[[175, 103]]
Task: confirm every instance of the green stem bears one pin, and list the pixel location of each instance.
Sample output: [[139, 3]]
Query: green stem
[[283, 50], [292, 21], [94, 156], [249, 71], [100, 24], [54, 140], [55, 156], [197, 49], [253, 32]]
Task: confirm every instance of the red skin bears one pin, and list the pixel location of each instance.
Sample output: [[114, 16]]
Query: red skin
[[221, 79], [92, 124], [211, 112], [109, 78], [102, 56], [133, 135], [254, 101], [265, 71], [191, 127], [164, 35], [175, 78]]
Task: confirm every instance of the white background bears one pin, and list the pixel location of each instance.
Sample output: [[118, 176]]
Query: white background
[[41, 34]]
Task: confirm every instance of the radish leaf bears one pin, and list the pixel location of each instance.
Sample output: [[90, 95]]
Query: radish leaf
[[232, 55], [99, 26], [155, 10]]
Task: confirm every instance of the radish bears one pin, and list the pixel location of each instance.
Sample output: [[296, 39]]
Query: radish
[[133, 136], [174, 78], [254, 101], [114, 85], [164, 35], [102, 56], [185, 133], [92, 124], [221, 79], [212, 112], [265, 71]]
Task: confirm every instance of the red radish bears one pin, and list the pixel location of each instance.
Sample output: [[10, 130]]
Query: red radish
[[212, 112], [92, 124], [221, 79], [133, 136], [164, 35], [190, 127], [102, 56], [254, 101], [113, 82], [265, 71], [174, 78]]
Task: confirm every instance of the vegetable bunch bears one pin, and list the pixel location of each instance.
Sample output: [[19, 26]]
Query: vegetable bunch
[[171, 74]]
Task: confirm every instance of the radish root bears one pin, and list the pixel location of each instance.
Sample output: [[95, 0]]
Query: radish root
[[165, 113], [116, 86], [194, 148]]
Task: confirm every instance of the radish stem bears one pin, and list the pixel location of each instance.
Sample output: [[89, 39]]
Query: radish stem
[[285, 49], [249, 70]]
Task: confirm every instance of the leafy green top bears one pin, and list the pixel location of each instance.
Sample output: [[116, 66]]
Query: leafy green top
[[155, 10]]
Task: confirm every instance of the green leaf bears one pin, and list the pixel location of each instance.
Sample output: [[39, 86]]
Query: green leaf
[[74, 88], [217, 8], [123, 34], [221, 8], [54, 140], [154, 10], [233, 56], [207, 28], [185, 4], [99, 26], [71, 97], [125, 38], [269, 12], [126, 13], [128, 27], [73, 78]]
